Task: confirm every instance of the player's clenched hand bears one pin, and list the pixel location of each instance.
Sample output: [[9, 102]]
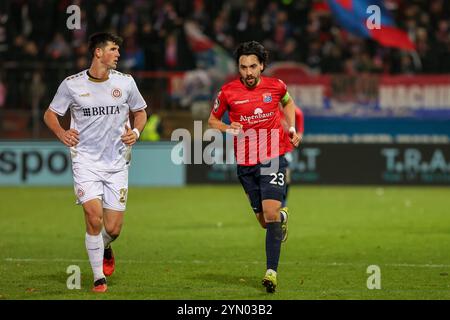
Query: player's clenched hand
[[129, 137], [234, 128], [294, 138], [69, 137]]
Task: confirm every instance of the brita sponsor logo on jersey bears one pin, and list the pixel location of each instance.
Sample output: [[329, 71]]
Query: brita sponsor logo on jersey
[[258, 116], [100, 111]]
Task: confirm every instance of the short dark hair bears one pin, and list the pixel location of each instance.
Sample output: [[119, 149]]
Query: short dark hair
[[99, 40], [252, 47]]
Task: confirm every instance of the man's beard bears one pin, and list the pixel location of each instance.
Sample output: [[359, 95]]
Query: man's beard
[[250, 84]]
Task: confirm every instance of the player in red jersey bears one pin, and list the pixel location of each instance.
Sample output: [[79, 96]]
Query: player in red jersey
[[253, 102]]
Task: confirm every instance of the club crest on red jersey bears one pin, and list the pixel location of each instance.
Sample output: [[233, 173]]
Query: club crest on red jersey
[[267, 97]]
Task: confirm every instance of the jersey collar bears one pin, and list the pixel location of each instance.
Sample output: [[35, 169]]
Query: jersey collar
[[91, 78]]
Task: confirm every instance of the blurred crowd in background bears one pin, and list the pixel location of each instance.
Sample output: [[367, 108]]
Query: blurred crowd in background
[[37, 50]]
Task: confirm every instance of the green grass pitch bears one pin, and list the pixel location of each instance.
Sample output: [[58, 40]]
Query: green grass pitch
[[203, 242]]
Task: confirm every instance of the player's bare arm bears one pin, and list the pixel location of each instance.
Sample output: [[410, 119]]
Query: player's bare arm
[[68, 137], [289, 112], [131, 136], [233, 128]]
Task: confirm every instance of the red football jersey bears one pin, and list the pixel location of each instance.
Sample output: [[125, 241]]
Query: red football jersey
[[299, 126], [257, 109]]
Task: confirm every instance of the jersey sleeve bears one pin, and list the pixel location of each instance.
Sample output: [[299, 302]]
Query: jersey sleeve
[[282, 89], [220, 105], [62, 99], [135, 100]]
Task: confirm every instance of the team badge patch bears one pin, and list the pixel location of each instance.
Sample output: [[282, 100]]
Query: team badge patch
[[267, 97], [80, 193], [116, 93]]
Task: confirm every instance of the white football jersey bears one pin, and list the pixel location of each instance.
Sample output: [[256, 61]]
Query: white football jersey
[[99, 111]]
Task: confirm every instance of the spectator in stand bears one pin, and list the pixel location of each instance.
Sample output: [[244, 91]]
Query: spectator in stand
[[59, 49], [298, 31]]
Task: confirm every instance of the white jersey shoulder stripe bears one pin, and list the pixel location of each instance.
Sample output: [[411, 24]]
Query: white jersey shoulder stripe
[[120, 73], [80, 74]]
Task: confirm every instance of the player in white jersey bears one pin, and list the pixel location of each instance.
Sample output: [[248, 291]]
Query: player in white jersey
[[100, 140]]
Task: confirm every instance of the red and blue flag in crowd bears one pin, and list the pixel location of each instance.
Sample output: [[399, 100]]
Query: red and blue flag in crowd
[[352, 16]]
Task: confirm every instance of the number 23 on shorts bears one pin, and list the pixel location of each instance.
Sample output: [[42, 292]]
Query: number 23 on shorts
[[277, 178]]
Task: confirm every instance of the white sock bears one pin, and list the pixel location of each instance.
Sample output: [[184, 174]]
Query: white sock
[[107, 239], [95, 247], [271, 271]]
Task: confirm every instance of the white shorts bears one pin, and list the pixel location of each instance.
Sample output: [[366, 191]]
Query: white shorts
[[110, 187]]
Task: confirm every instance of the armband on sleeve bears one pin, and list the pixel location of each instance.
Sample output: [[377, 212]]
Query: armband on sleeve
[[285, 99]]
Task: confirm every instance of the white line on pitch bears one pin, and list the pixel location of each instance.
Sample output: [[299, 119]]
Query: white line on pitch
[[330, 264]]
